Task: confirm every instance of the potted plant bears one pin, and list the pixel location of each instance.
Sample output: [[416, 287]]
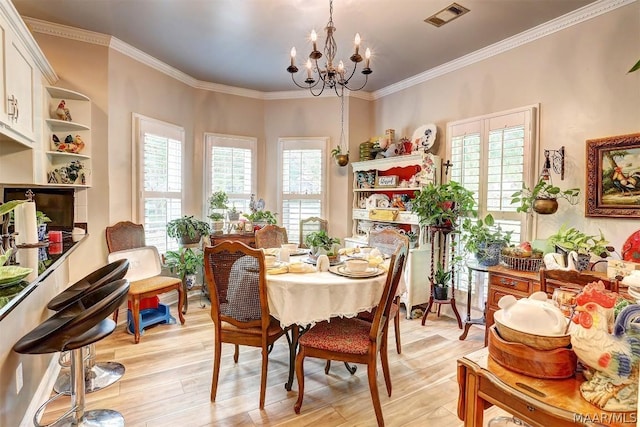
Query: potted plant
[[485, 240], [413, 239], [41, 220], [342, 159], [217, 206], [568, 240], [185, 263], [543, 198], [262, 218], [321, 243], [187, 230], [440, 283], [442, 205], [233, 214]]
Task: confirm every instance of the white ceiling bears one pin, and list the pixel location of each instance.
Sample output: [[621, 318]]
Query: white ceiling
[[246, 43]]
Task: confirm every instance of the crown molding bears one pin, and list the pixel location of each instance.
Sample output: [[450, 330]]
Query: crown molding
[[580, 15], [583, 14]]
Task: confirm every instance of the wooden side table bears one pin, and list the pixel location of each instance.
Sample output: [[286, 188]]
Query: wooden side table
[[473, 266], [482, 382]]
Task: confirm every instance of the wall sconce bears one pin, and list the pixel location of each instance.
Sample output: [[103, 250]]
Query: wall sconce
[[555, 159]]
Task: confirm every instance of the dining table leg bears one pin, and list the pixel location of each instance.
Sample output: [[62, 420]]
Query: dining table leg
[[293, 350]]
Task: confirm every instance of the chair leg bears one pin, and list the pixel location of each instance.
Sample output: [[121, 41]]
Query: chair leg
[[327, 367], [263, 376], [236, 354], [300, 377], [385, 364], [373, 388], [136, 318], [181, 300], [217, 353], [396, 323]]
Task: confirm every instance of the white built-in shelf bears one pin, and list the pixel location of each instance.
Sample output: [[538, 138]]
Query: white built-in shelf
[[63, 125], [66, 154]]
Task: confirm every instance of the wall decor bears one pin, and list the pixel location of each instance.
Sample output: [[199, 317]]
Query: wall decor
[[387, 181], [613, 177]]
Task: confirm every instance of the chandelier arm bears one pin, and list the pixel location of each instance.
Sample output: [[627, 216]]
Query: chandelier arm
[[308, 86], [363, 85], [353, 71], [341, 93]]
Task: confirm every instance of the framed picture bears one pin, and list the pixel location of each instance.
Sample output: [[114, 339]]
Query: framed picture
[[613, 176]]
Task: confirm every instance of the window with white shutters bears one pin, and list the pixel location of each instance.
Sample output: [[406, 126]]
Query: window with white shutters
[[159, 172], [302, 182], [230, 166]]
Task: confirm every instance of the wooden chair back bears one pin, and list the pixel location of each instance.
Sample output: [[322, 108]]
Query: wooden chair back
[[124, 235], [310, 225], [387, 241], [381, 318], [271, 236], [236, 277], [552, 279]]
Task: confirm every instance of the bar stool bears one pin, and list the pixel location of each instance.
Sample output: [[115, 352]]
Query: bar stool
[[75, 326], [98, 375]]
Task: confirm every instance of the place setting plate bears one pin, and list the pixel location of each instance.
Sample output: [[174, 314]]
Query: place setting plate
[[342, 270]]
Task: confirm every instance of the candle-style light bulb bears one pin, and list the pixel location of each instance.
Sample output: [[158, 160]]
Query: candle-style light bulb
[[357, 42], [293, 55], [341, 68], [367, 55], [309, 66], [314, 38]]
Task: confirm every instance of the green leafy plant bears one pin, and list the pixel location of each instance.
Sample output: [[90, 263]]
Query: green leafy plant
[[481, 233], [184, 261], [7, 207], [218, 200], [442, 205], [216, 216], [42, 218], [187, 226], [526, 197], [441, 277], [572, 239], [635, 67], [262, 216], [321, 240]]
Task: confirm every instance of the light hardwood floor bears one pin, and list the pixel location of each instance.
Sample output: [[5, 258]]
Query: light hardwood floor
[[168, 380]]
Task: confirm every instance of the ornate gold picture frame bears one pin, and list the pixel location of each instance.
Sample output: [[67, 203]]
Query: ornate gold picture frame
[[613, 177]]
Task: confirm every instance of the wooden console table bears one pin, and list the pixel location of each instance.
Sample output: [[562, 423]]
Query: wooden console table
[[482, 382]]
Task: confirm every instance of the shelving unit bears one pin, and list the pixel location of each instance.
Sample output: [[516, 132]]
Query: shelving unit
[[395, 179], [78, 129]]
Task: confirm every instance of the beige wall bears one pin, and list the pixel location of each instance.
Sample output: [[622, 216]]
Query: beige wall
[[579, 77]]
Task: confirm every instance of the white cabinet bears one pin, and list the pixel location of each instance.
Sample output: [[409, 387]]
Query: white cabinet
[[20, 80], [382, 193], [67, 137]]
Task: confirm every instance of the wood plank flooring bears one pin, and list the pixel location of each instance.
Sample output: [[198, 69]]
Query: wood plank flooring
[[168, 380]]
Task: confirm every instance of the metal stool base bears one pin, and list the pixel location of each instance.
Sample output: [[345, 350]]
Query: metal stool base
[[95, 418], [101, 375]]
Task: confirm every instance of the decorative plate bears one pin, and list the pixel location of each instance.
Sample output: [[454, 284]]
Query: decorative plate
[[342, 270], [631, 248], [424, 137]]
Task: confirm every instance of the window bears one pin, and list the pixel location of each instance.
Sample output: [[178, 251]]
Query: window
[[302, 182], [230, 166], [492, 156], [159, 182]]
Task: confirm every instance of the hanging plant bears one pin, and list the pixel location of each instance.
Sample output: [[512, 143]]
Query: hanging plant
[[340, 158]]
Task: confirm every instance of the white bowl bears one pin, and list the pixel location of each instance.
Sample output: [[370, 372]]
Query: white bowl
[[269, 260], [291, 247], [356, 265]]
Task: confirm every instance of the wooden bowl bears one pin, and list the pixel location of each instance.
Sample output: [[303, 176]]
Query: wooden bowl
[[538, 342], [548, 364]]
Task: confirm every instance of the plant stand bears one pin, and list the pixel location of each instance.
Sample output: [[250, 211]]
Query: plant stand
[[442, 233]]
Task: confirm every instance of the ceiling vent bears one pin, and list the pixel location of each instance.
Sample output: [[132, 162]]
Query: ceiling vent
[[446, 15]]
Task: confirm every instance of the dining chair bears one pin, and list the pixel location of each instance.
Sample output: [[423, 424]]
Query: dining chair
[[355, 340], [271, 236], [310, 225], [124, 235], [387, 241], [550, 280], [236, 277]]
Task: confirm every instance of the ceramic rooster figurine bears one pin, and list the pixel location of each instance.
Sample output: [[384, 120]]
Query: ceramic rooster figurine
[[63, 112], [610, 351]]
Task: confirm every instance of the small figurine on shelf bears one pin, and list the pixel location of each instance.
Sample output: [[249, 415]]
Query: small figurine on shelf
[[70, 145], [63, 112]]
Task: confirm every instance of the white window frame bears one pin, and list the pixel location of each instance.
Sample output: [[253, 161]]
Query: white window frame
[[141, 125], [232, 141], [484, 125], [301, 143]]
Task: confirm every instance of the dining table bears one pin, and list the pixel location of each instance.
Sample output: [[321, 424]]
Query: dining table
[[304, 299]]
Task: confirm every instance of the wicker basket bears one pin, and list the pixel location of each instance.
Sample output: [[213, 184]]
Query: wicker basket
[[523, 264]]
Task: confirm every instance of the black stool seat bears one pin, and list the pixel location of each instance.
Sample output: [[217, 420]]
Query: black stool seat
[[83, 322], [109, 273]]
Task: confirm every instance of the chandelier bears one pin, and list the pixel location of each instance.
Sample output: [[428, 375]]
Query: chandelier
[[331, 76]]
